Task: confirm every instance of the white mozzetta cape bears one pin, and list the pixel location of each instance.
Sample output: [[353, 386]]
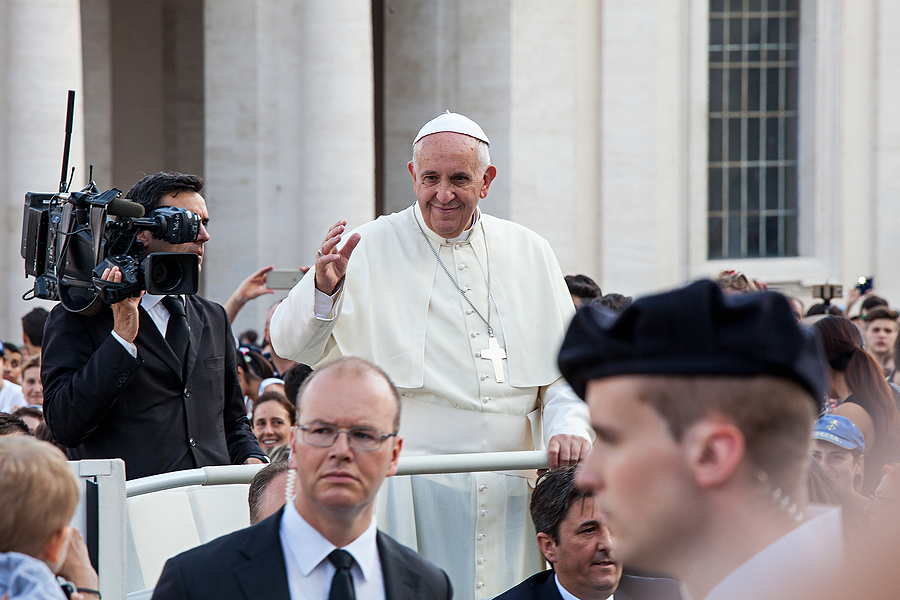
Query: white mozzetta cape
[[398, 309], [395, 292]]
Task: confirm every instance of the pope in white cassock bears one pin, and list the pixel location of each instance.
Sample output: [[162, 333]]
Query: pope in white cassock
[[466, 313]]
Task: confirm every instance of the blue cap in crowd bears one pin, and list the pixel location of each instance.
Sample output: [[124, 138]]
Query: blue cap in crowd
[[840, 431]]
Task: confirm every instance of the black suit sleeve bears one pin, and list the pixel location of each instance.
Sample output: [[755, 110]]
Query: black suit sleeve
[[83, 370], [239, 438], [171, 584]]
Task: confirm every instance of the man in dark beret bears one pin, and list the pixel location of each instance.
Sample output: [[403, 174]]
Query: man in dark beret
[[703, 406]]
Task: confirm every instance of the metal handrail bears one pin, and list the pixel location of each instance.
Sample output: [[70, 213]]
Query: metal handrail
[[407, 465]]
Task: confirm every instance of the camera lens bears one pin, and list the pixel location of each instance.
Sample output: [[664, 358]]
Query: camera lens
[[166, 275]]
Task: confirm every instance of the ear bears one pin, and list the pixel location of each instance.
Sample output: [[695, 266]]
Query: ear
[[487, 178], [547, 546], [395, 455], [716, 449], [292, 460], [412, 172], [144, 236], [54, 553]]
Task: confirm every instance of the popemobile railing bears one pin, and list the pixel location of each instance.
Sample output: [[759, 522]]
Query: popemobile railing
[[103, 514]]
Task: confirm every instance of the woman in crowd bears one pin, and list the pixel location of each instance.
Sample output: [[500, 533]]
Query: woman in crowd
[[856, 381], [32, 388], [272, 419], [257, 376]]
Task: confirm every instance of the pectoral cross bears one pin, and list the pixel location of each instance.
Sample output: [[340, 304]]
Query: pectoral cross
[[495, 354]]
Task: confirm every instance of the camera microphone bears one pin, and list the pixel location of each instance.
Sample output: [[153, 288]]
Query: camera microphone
[[119, 207]]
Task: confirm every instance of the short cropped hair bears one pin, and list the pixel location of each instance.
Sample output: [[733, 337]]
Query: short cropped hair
[[870, 302], [33, 325], [583, 286], [149, 190], [38, 493], [553, 496], [881, 312], [32, 362], [735, 282], [357, 366], [774, 414], [293, 379], [260, 482], [10, 425]]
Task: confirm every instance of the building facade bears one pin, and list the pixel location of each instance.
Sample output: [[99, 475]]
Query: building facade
[[650, 141]]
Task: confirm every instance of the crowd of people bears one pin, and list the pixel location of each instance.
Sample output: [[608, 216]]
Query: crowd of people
[[718, 441]]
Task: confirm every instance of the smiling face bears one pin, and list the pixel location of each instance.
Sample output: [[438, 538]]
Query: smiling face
[[640, 475], [32, 387], [838, 462], [449, 181], [583, 558], [340, 480], [271, 424], [193, 202]]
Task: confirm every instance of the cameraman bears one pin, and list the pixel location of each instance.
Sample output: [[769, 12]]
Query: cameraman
[[122, 384]]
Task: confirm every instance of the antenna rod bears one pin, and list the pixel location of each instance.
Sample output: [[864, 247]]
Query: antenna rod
[[70, 111]]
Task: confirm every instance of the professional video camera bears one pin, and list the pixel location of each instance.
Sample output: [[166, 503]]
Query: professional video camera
[[69, 239]]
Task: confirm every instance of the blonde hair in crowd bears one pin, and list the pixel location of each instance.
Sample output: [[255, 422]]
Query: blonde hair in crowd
[[38, 494]]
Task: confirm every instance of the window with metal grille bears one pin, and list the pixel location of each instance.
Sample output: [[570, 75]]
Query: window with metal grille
[[753, 81]]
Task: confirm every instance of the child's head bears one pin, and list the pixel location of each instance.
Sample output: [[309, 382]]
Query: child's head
[[38, 494]]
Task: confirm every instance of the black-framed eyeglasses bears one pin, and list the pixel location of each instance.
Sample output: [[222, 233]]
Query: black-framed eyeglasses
[[323, 435]]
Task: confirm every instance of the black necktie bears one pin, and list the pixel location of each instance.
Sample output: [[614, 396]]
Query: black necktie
[[342, 582], [177, 333]]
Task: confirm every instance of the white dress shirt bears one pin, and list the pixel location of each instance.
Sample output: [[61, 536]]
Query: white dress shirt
[[567, 595], [310, 572], [154, 307]]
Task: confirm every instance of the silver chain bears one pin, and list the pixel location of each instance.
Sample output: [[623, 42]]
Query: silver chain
[[453, 281]]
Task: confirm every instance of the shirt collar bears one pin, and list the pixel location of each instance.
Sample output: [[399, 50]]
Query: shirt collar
[[148, 301], [567, 595], [463, 237], [311, 548]]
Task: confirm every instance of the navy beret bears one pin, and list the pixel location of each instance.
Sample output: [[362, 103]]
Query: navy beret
[[694, 331]]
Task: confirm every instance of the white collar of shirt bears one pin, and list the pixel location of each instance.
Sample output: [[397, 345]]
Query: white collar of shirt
[[463, 237], [567, 595], [305, 549]]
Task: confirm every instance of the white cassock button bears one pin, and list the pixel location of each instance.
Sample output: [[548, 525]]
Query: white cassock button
[[462, 267], [483, 512], [479, 585], [457, 246], [483, 377], [466, 289], [474, 334], [480, 536], [486, 399], [482, 487], [480, 560], [468, 311]]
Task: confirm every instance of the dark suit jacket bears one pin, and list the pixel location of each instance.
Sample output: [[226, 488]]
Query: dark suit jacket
[[100, 402], [543, 587], [249, 564]]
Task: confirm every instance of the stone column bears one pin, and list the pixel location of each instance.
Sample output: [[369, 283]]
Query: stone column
[[887, 153], [40, 59], [289, 133]]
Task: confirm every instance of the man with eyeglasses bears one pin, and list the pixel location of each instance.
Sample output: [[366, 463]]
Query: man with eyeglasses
[[325, 543]]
